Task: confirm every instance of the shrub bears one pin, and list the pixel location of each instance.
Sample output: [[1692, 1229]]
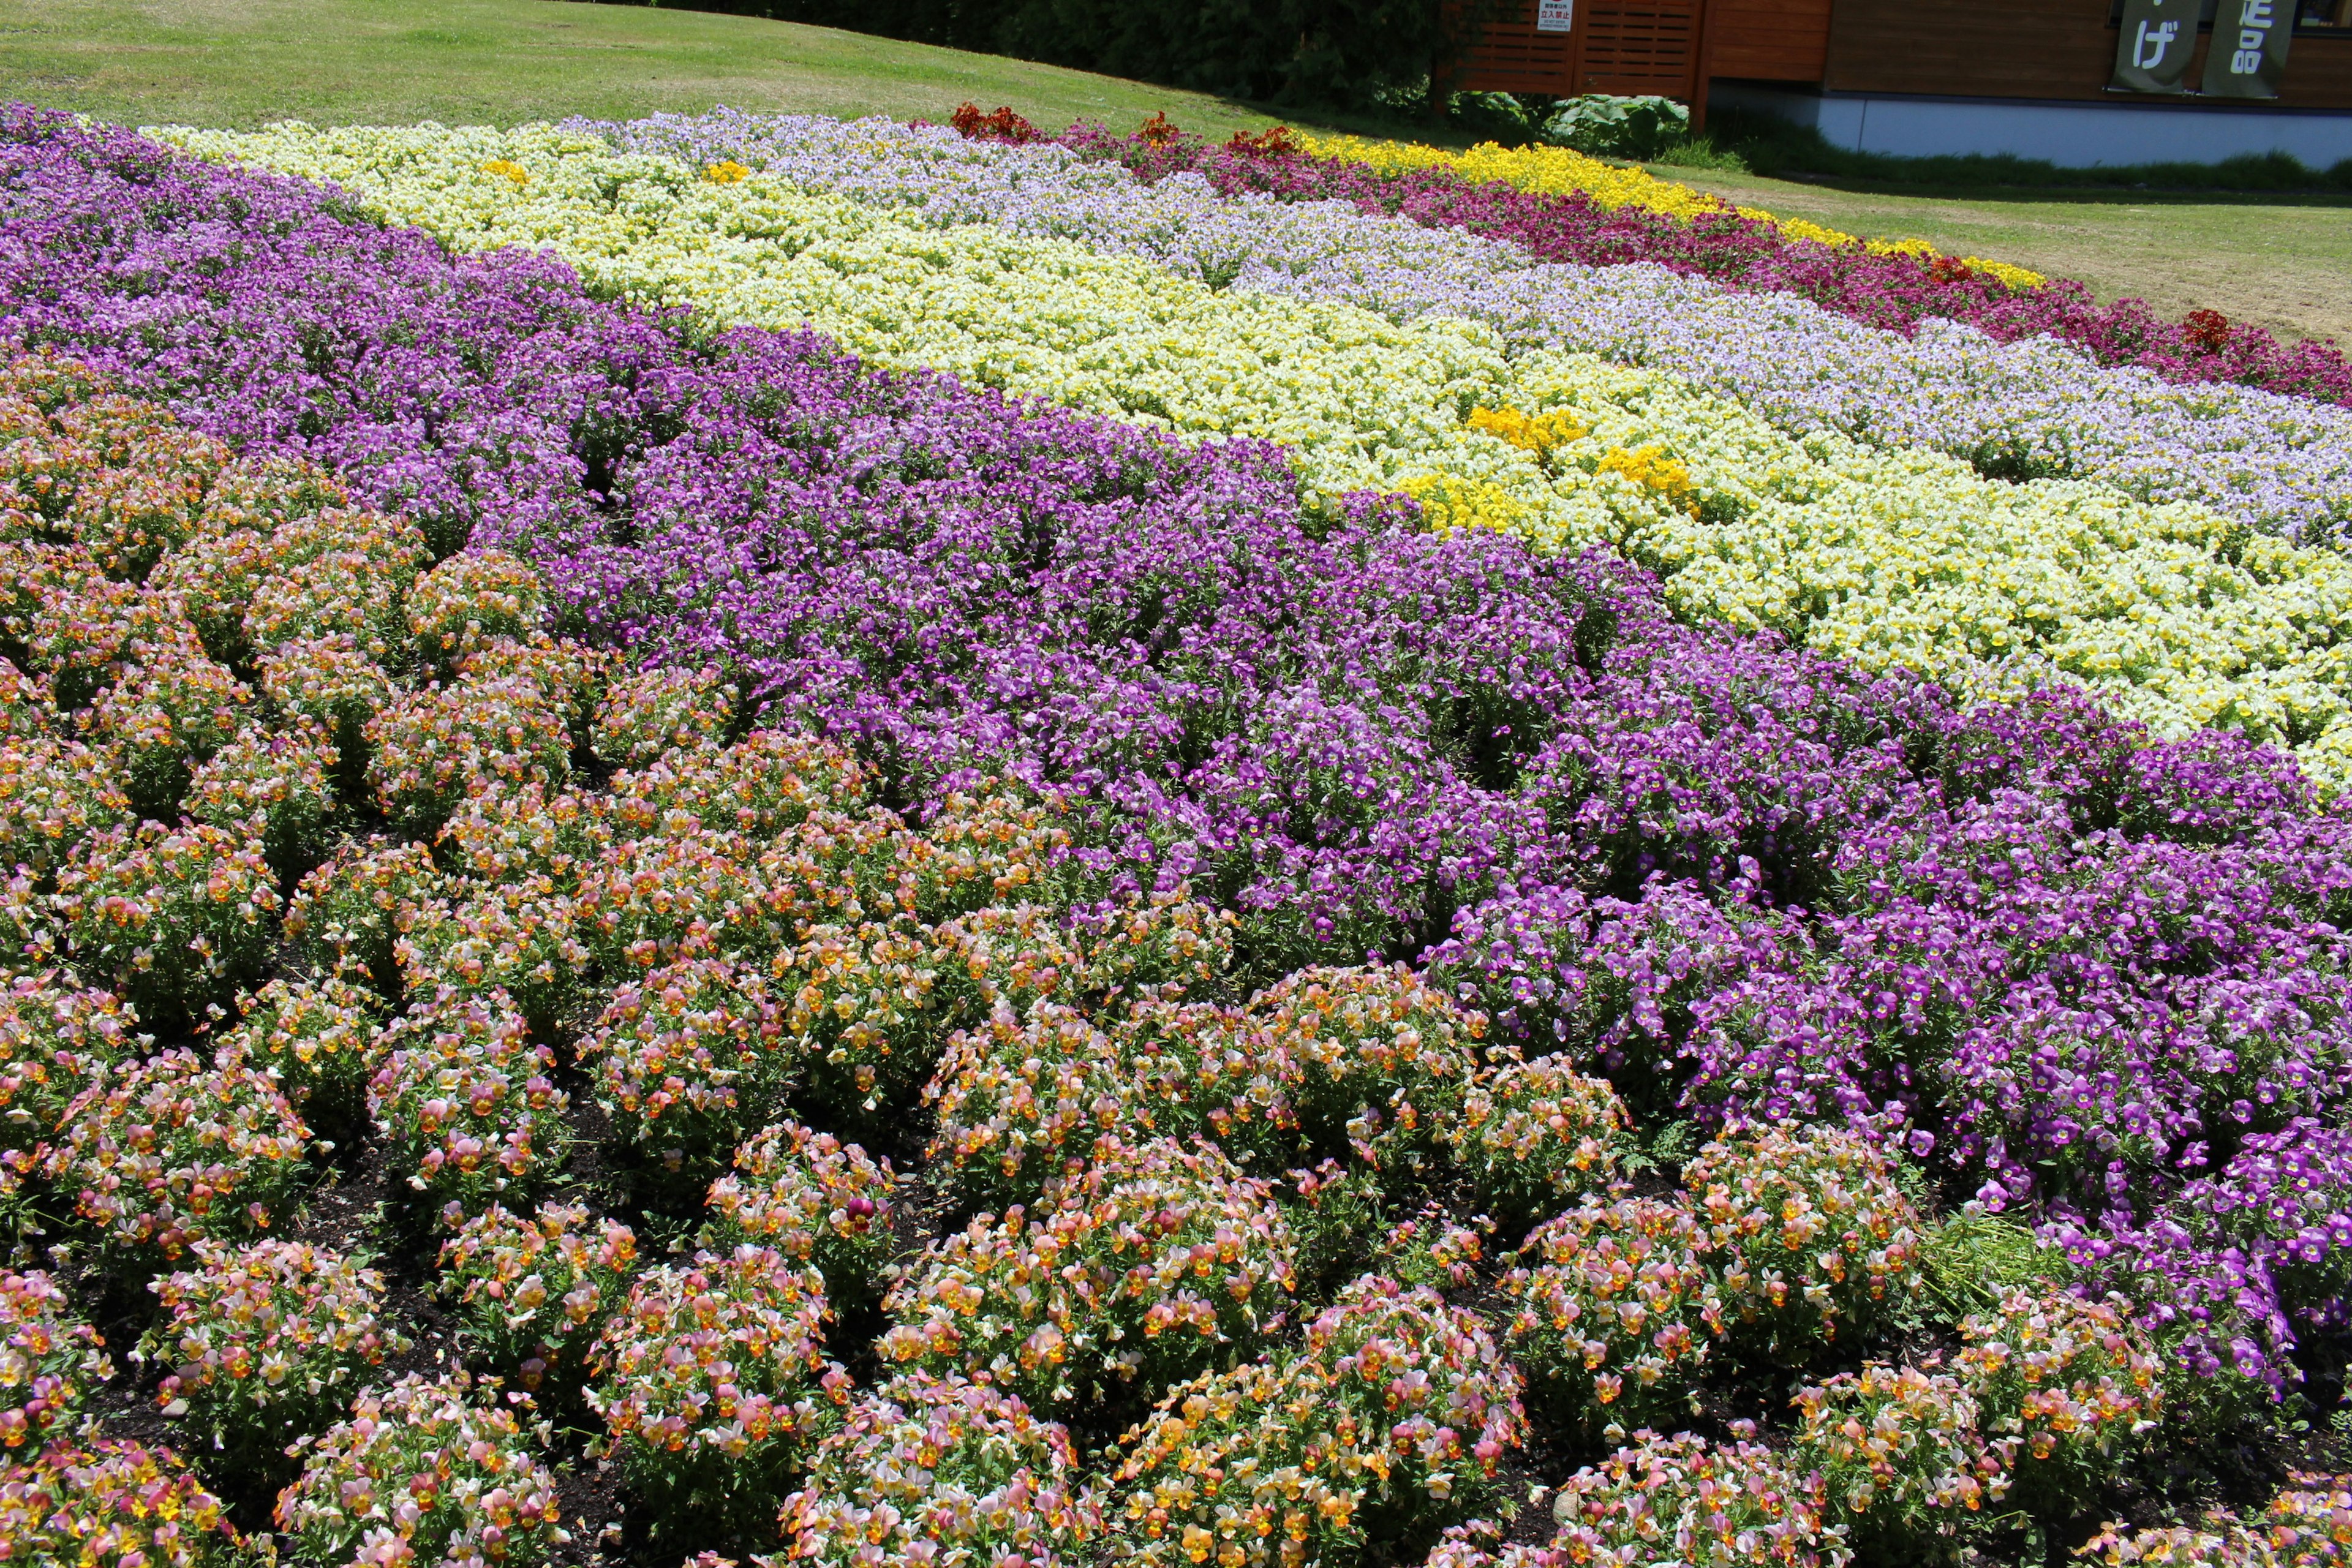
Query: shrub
[[50, 1360], [519, 939], [267, 1341], [1534, 1135], [1729, 1504], [177, 917], [116, 1505], [1901, 1456], [332, 682], [927, 1470], [1151, 1263], [814, 1199], [464, 1101], [1389, 1421], [531, 1292], [1618, 1310], [769, 781], [2072, 1384], [649, 713], [277, 780], [430, 749], [347, 915], [169, 1149], [1811, 1227], [688, 1060], [420, 1472], [318, 1039], [1372, 1061], [55, 1039], [470, 601], [160, 721], [53, 794], [713, 1387]]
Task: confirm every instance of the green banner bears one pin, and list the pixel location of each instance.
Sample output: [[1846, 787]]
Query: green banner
[[2248, 55], [2158, 37]]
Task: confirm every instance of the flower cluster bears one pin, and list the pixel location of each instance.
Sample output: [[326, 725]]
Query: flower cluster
[[429, 1473], [117, 1505], [55, 1039], [645, 716], [318, 1040], [1616, 1307], [49, 1360], [177, 917], [171, 1150], [464, 1102], [1147, 1264], [2071, 1383], [530, 1291], [1535, 1135], [689, 1058], [713, 1388], [1720, 1505], [1392, 1415], [1813, 1230], [1900, 1453], [348, 915], [430, 749], [926, 1469], [815, 1200], [267, 1342]]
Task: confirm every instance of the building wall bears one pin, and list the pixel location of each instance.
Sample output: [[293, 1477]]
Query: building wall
[[2070, 134], [1769, 41], [2061, 49]]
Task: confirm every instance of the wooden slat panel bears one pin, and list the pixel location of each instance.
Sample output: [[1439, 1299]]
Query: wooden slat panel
[[1632, 48], [2025, 49], [1768, 40], [1510, 56]]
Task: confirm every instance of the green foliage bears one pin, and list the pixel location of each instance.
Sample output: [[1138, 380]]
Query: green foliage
[[1614, 126], [1361, 55]]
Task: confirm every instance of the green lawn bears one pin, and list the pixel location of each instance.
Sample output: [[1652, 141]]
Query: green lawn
[[2271, 259], [2280, 261], [242, 63]]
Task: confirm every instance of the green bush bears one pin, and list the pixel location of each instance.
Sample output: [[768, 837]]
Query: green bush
[[1348, 54]]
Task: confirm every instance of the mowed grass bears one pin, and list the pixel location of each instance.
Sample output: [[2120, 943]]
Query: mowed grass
[[242, 63], [2276, 261], [2282, 262]]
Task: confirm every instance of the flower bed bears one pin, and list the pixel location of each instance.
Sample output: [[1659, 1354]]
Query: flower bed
[[2017, 400], [1153, 935], [1890, 556]]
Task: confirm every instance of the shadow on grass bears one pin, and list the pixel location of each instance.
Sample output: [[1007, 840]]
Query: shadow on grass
[[1769, 148]]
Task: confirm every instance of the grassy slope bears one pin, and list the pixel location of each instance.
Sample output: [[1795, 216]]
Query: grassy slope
[[245, 62], [2280, 261]]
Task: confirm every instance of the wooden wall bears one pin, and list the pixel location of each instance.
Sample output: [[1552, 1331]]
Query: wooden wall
[[2024, 49], [1769, 41]]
